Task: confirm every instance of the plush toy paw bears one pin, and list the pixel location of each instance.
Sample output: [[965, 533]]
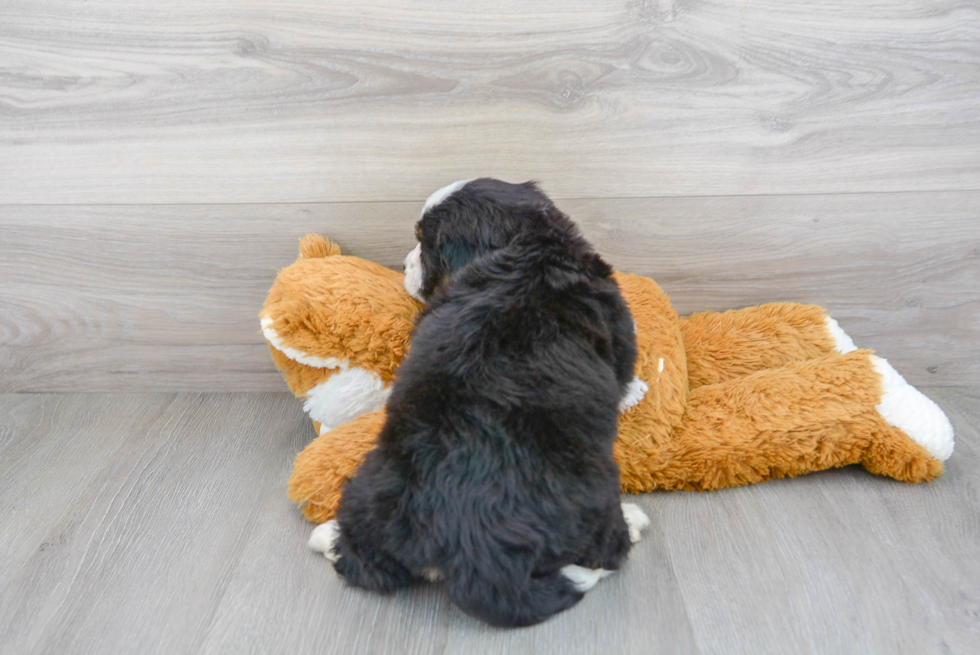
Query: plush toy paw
[[324, 537], [908, 409], [635, 391], [636, 520], [582, 578]]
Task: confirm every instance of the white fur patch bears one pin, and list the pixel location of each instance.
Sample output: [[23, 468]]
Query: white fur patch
[[635, 391], [660, 365], [582, 578], [908, 409], [842, 342], [298, 355], [444, 193], [414, 273], [344, 396], [432, 574], [323, 538], [636, 520]]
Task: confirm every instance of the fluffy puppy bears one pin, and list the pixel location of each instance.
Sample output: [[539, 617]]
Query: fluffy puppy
[[494, 468]]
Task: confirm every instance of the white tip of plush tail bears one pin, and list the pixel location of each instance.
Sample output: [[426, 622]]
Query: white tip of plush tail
[[908, 409]]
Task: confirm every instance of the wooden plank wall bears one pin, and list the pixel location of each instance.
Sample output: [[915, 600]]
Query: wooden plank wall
[[159, 161]]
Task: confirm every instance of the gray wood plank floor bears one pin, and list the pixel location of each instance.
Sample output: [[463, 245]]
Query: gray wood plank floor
[[158, 523]]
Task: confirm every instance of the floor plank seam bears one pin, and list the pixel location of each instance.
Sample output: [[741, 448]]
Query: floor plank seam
[[557, 198]]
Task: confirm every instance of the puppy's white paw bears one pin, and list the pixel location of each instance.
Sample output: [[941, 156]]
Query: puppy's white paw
[[635, 391], [582, 578], [636, 520], [842, 342], [908, 409], [324, 537]]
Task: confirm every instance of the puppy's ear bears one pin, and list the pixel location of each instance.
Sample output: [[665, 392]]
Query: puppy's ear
[[597, 266], [456, 254]]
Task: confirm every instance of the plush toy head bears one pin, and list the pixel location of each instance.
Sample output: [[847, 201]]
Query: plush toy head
[[337, 328]]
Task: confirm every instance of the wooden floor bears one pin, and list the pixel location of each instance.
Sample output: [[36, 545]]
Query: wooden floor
[[158, 523]]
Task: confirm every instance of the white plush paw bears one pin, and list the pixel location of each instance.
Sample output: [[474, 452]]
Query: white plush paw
[[324, 537], [582, 578], [636, 520], [635, 391], [908, 409], [842, 342]]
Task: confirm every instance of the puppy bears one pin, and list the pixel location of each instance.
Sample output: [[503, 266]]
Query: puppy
[[494, 468]]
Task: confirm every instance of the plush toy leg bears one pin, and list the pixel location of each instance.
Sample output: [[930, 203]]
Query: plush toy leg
[[804, 417], [321, 469], [727, 345]]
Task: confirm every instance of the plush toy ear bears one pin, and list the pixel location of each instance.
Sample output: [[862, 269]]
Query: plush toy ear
[[314, 246]]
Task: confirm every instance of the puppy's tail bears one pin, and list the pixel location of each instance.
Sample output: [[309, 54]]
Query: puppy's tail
[[508, 598]]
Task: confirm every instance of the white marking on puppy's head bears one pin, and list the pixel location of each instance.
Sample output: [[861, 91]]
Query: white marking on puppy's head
[[414, 273], [414, 269], [444, 193]]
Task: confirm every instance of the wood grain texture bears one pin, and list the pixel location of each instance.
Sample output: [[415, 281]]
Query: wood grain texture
[[158, 523], [166, 297], [302, 101], [137, 559], [841, 552]]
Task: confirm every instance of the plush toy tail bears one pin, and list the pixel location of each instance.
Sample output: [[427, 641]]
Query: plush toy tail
[[808, 416], [314, 246]]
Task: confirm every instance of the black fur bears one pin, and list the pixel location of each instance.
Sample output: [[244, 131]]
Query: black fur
[[495, 464]]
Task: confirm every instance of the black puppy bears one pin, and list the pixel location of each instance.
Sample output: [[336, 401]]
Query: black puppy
[[494, 468]]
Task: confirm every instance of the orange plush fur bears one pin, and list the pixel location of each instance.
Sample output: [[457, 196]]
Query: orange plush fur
[[734, 398]]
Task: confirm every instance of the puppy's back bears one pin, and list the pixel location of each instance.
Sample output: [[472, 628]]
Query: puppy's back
[[507, 411]]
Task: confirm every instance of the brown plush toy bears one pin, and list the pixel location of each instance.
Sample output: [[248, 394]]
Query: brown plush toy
[[726, 399]]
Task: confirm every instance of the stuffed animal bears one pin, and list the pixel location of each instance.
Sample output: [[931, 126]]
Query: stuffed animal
[[726, 399]]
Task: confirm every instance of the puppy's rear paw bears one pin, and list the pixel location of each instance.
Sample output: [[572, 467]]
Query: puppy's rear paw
[[324, 537], [636, 520], [582, 578]]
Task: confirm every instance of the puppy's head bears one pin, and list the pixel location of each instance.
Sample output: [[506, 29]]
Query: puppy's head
[[468, 219]]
